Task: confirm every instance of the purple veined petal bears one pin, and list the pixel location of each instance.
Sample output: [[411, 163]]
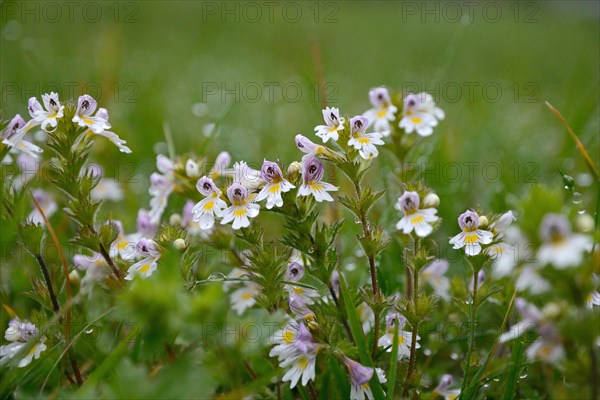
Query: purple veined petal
[[305, 145], [409, 202], [358, 125], [206, 186], [295, 271], [237, 193], [144, 223], [13, 126], [394, 318], [437, 268], [312, 170], [379, 97], [147, 248], [270, 172], [86, 105], [34, 107], [331, 116], [445, 382], [358, 372], [51, 102], [163, 163], [468, 220]]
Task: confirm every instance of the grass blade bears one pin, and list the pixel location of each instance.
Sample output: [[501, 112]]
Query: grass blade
[[392, 372], [513, 374], [359, 338]]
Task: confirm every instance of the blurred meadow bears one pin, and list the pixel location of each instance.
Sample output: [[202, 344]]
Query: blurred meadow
[[246, 77]]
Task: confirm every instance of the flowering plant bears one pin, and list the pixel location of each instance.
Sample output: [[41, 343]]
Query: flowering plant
[[333, 323]]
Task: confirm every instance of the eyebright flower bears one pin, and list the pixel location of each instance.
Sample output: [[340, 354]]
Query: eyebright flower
[[244, 297], [162, 184], [443, 388], [434, 275], [359, 379], [276, 184], [192, 170], [146, 248], [561, 247], [21, 334], [95, 267], [14, 136], [295, 272], [245, 175], [47, 118], [212, 205], [221, 164], [416, 219], [86, 106], [594, 297], [383, 111], [242, 207], [420, 114], [98, 124], [312, 173], [333, 124], [404, 337], [502, 223], [301, 311], [548, 346], [297, 351], [362, 141], [471, 237]]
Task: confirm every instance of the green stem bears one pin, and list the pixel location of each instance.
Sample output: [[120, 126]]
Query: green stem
[[472, 317], [413, 344]]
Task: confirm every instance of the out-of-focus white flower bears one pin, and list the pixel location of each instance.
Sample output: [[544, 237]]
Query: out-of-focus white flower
[[14, 137], [383, 111], [561, 247], [434, 275], [443, 388], [594, 297], [144, 268], [296, 351], [244, 297], [21, 334], [420, 114], [162, 184]]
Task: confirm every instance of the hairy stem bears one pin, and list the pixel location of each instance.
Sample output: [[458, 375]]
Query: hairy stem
[[46, 274], [415, 328], [111, 264]]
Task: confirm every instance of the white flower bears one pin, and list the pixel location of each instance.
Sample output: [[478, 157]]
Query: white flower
[[443, 388], [502, 223], [14, 136], [529, 280], [471, 237], [296, 350], [47, 118], [212, 205], [107, 189], [192, 170], [416, 219], [594, 297], [275, 185], [244, 297], [146, 248], [242, 207], [561, 247], [360, 376], [96, 269], [162, 184], [362, 141], [312, 173], [221, 164], [21, 334], [383, 111], [245, 175], [333, 124], [86, 106], [420, 114], [295, 272], [515, 249], [404, 337], [434, 275]]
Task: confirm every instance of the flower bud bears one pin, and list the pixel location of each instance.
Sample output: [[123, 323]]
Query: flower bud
[[293, 170], [74, 277], [584, 222], [431, 200], [483, 221], [175, 220], [179, 244]]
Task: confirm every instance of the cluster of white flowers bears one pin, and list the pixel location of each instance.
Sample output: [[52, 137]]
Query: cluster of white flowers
[[22, 335]]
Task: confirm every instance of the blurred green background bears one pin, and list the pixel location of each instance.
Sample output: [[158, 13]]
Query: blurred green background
[[156, 62]]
